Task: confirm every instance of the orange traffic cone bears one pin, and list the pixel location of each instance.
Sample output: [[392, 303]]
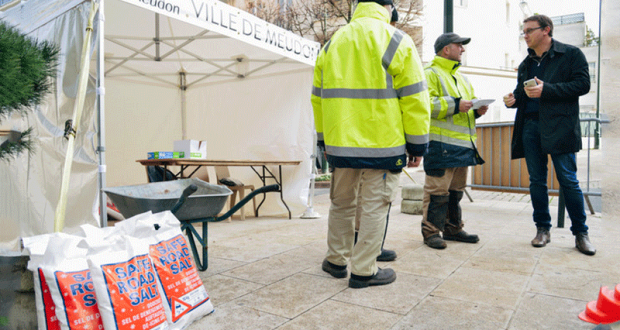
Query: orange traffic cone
[[606, 309]]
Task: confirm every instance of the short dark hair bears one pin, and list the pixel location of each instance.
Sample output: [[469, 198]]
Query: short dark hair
[[543, 21]]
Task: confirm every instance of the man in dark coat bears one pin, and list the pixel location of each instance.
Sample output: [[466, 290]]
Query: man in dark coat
[[547, 123]]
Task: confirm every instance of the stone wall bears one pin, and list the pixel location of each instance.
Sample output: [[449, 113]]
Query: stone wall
[[610, 105]]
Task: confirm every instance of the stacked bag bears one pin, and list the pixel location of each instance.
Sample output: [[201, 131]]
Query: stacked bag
[[137, 275]]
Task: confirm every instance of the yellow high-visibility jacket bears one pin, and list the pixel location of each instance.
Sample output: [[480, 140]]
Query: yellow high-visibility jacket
[[453, 133], [369, 95]]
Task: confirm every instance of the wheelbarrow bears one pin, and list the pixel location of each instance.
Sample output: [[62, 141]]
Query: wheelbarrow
[[190, 200]]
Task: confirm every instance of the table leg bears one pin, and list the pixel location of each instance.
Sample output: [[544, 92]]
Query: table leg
[[281, 191], [277, 179]]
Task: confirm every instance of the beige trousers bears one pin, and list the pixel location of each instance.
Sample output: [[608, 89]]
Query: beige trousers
[[455, 179], [378, 190]]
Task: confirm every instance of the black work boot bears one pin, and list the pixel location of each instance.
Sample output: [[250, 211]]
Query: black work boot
[[435, 242], [386, 255], [461, 236], [542, 237], [455, 221], [334, 270], [382, 277], [582, 242], [436, 216]]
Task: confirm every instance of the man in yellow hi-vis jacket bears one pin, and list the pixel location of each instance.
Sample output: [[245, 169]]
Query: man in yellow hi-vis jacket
[[451, 148], [371, 109]]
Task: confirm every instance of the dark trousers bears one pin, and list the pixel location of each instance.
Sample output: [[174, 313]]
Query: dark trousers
[[565, 166]]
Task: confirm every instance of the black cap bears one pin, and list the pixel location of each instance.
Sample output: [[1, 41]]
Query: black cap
[[449, 38], [381, 2], [394, 15]]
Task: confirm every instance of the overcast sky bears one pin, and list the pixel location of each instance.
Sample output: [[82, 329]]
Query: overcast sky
[[551, 8]]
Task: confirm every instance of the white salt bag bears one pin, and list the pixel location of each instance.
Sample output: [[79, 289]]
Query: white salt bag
[[126, 285], [68, 277], [185, 295]]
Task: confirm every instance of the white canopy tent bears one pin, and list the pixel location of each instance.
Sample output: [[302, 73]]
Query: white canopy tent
[[169, 70]]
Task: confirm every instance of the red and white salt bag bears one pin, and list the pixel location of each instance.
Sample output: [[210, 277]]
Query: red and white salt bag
[[68, 277], [184, 293], [126, 285], [35, 247]]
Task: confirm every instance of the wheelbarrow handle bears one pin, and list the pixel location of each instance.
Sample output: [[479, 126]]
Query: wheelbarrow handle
[[269, 188], [248, 197], [186, 192]]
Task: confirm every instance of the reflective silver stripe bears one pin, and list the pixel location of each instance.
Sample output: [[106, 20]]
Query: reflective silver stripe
[[359, 93], [449, 140], [443, 85], [388, 56], [316, 91], [412, 89], [417, 139], [466, 80], [319, 136], [327, 45], [389, 81], [449, 99], [437, 107], [365, 152], [450, 126]]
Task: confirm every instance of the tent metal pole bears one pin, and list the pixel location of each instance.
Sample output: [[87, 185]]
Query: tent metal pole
[[309, 213], [103, 212], [183, 88], [157, 58]]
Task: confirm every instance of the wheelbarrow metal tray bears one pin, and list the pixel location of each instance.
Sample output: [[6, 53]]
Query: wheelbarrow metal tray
[[206, 202]]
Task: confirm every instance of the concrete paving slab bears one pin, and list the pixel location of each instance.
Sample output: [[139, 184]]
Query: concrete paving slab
[[272, 269], [235, 316], [541, 311], [501, 289], [447, 313], [222, 289], [293, 295], [338, 315], [399, 297]]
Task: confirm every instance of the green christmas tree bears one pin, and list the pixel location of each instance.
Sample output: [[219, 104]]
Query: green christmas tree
[[26, 69]]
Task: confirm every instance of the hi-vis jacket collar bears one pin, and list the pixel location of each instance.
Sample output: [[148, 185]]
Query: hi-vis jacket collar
[[447, 64], [372, 10]]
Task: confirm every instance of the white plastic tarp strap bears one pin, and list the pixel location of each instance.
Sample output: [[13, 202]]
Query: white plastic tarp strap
[[232, 22], [59, 218]]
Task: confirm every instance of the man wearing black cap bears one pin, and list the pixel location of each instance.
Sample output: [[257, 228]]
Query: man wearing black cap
[[452, 144], [386, 255], [372, 114]]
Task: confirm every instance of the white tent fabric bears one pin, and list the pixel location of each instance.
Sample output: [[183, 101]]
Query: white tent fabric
[[173, 70]]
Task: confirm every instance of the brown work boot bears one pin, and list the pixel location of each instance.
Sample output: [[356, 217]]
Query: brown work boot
[[435, 242], [582, 242], [542, 237]]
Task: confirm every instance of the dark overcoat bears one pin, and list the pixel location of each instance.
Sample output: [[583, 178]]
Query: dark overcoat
[[566, 77]]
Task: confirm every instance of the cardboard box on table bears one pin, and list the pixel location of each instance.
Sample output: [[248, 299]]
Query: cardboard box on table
[[192, 149]]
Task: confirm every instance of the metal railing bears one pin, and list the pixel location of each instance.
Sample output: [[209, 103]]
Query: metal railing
[[568, 19], [518, 172]]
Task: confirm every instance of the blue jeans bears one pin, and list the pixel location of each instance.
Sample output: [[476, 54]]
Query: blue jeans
[[565, 166]]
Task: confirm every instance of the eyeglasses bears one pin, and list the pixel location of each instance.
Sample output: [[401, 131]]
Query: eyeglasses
[[529, 31]]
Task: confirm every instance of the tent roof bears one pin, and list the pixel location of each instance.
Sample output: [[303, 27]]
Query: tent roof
[[205, 41], [208, 41]]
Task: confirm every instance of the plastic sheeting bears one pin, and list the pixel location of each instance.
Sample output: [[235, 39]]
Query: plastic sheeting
[[265, 116], [29, 184]]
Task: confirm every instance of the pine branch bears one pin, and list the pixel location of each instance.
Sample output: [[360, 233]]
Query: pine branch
[[10, 149], [26, 67]]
